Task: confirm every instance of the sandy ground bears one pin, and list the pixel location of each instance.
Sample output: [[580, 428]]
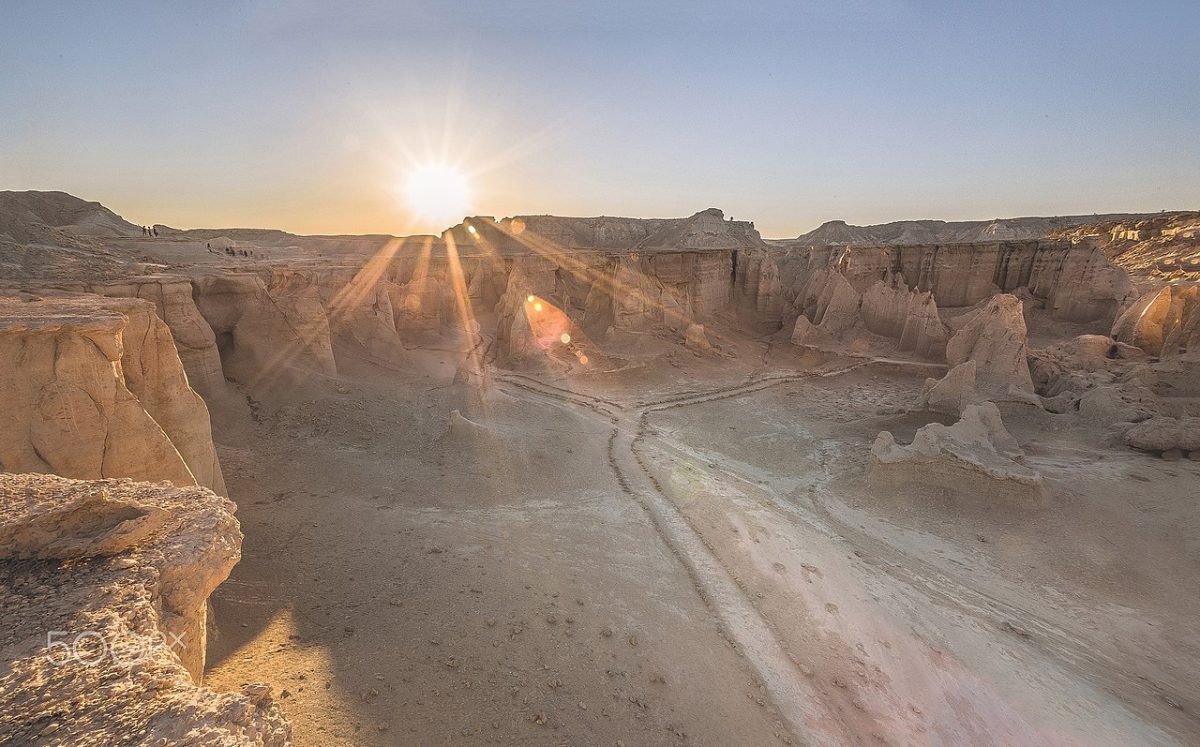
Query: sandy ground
[[686, 552]]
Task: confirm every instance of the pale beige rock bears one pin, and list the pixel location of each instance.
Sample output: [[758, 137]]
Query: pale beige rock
[[891, 309], [358, 305], [82, 523], [132, 641], [837, 306], [974, 458], [695, 339], [1164, 322], [1105, 405], [66, 380], [1161, 434], [995, 338], [155, 375], [267, 336], [952, 393]]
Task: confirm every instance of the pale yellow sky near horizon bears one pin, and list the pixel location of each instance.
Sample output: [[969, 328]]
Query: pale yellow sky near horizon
[[304, 116]]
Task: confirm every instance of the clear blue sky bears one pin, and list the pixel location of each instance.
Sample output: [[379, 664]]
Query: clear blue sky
[[305, 115]]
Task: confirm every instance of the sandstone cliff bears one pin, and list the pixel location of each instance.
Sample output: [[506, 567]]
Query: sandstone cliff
[[93, 387], [1072, 281]]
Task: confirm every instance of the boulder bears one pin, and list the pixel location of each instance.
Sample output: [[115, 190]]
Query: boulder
[[696, 340], [1165, 434]]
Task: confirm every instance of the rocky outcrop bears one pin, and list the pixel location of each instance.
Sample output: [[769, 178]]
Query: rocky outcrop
[[267, 335], [891, 309], [1064, 372], [952, 393], [941, 232], [121, 574], [994, 337], [358, 306], [1163, 322], [1163, 245], [1167, 436], [837, 306], [1072, 281], [57, 218], [93, 387], [695, 339], [976, 458], [193, 337]]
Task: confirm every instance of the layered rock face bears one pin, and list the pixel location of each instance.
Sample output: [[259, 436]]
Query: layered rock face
[[194, 338], [121, 572], [93, 388], [908, 232], [268, 332], [1073, 281], [1164, 245], [891, 309], [972, 459], [707, 229]]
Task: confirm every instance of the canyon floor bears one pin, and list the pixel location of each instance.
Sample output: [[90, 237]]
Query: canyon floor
[[684, 551], [600, 481]]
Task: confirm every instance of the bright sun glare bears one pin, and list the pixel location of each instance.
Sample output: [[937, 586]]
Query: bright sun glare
[[438, 193]]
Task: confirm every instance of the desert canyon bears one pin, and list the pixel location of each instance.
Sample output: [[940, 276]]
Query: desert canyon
[[599, 481]]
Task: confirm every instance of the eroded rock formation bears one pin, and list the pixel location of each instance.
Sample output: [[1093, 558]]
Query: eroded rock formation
[[952, 393], [1163, 322], [92, 387], [267, 334], [994, 337], [123, 571], [975, 458]]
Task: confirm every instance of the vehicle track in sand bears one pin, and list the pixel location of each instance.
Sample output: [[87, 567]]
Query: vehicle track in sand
[[741, 622], [752, 633]]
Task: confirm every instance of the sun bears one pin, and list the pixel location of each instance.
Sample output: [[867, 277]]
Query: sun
[[437, 193]]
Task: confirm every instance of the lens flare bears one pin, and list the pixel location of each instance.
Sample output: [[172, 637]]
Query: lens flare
[[438, 193]]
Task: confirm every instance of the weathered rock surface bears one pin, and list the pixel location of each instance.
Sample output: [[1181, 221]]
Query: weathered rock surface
[[93, 387], [1164, 434], [193, 337], [1162, 245], [891, 309], [695, 339], [994, 337], [1064, 372], [952, 393], [1072, 281], [1164, 322], [127, 595], [267, 334], [907, 232], [974, 458]]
